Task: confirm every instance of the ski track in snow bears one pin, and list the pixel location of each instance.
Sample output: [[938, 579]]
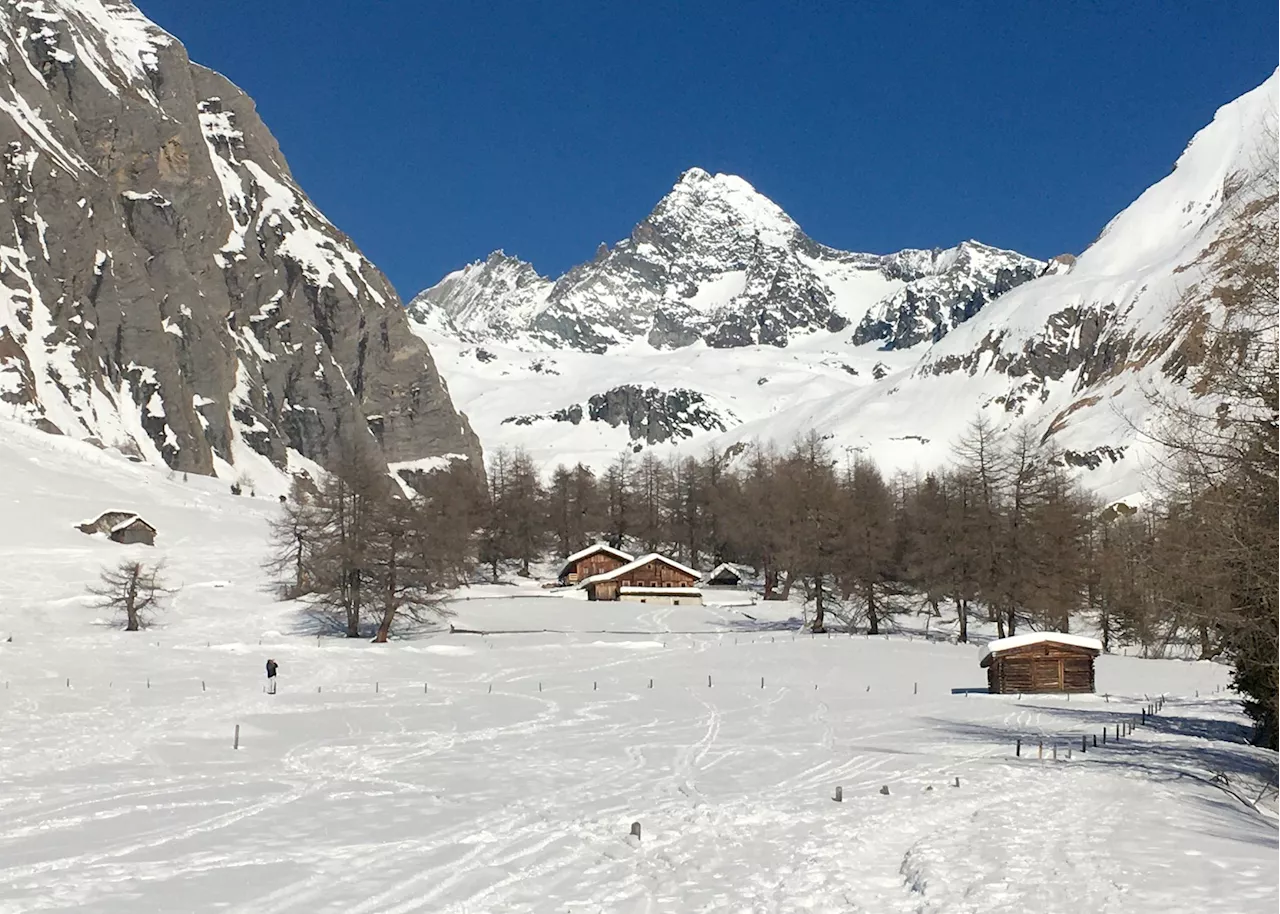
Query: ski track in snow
[[356, 792]]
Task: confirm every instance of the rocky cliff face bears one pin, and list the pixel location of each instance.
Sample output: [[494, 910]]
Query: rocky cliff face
[[716, 262], [165, 285]]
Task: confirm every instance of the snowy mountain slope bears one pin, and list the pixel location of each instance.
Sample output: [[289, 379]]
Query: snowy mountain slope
[[1074, 352], [120, 789], [168, 289]]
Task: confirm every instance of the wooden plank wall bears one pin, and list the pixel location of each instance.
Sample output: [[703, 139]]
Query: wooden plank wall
[[1042, 668]]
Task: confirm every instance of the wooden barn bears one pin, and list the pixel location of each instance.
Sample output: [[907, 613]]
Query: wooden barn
[[1040, 662], [593, 560], [121, 527], [647, 575]]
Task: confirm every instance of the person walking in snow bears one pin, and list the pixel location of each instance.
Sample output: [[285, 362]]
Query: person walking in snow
[[272, 666]]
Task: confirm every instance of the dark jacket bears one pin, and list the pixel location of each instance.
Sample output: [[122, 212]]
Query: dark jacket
[[272, 666]]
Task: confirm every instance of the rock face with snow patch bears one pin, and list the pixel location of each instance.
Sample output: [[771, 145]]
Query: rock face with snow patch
[[167, 287], [718, 262], [650, 415]]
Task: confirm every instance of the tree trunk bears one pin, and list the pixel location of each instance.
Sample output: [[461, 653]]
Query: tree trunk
[[353, 604], [297, 567], [999, 618], [962, 616], [384, 624], [131, 605], [770, 583], [389, 604], [1013, 621], [819, 610], [786, 586], [873, 617]]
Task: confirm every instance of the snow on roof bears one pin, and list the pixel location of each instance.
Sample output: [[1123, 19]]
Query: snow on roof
[[129, 522], [667, 591], [594, 548], [1008, 644], [640, 563], [725, 566]]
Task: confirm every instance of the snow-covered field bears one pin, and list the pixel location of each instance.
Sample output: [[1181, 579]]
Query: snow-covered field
[[502, 772]]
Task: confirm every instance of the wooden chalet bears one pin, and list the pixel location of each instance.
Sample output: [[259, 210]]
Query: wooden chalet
[[593, 560], [121, 527], [1040, 662], [650, 578]]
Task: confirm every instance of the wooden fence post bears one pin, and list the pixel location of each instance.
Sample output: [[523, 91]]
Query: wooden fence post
[[635, 830], [1084, 745], [839, 794], [236, 743], [1018, 749]]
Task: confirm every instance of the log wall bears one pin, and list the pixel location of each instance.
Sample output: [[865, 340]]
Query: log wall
[[1041, 668]]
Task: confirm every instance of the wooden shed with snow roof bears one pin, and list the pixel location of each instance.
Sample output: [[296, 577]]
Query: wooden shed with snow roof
[[121, 527], [595, 559], [650, 575], [725, 575], [1040, 662]]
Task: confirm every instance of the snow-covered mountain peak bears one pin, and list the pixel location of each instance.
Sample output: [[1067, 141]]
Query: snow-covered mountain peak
[[890, 355], [704, 203], [490, 298], [718, 262]]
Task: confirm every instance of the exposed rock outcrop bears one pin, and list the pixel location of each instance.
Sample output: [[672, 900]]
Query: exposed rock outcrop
[[165, 285]]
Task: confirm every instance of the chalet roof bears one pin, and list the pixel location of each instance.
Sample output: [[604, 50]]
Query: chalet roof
[[1017, 641], [592, 550], [663, 591], [735, 570], [129, 522], [640, 563]]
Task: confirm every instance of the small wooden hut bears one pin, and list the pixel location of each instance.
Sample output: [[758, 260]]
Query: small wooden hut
[[133, 530], [1040, 662], [593, 560], [648, 574], [725, 575], [121, 527]]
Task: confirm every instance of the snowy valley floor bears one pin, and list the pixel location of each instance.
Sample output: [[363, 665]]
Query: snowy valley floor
[[501, 773]]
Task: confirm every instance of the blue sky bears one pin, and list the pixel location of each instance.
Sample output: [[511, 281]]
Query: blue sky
[[433, 133]]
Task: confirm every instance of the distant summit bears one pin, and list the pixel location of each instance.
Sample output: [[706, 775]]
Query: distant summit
[[718, 263]]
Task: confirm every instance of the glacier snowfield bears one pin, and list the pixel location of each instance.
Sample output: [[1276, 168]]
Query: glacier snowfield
[[502, 772]]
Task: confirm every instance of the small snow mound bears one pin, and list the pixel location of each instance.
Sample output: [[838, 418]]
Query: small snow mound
[[454, 650], [629, 645]]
